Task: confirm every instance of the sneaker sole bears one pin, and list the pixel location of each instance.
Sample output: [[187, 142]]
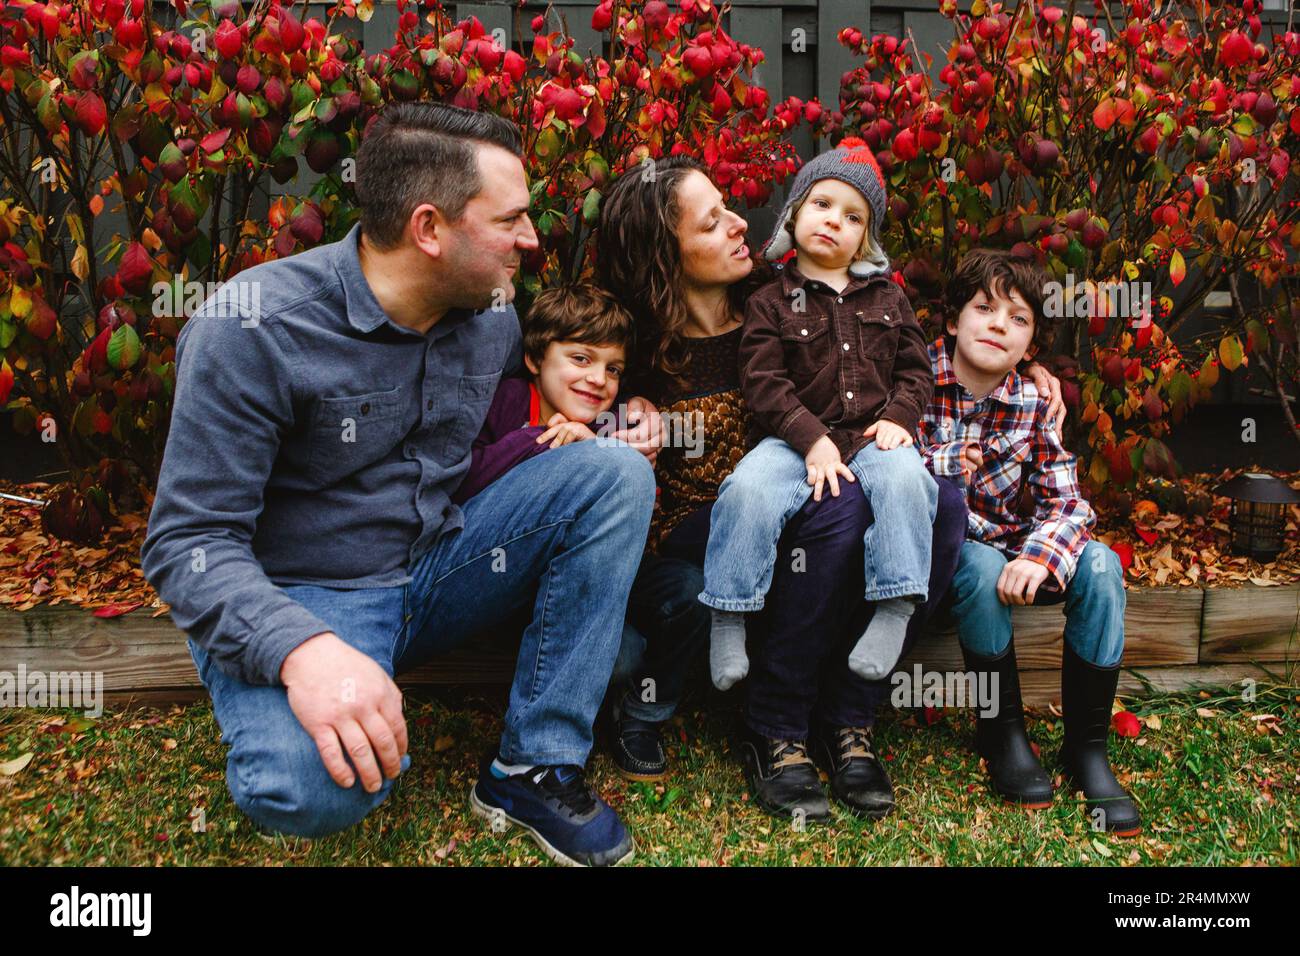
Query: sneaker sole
[[487, 812]]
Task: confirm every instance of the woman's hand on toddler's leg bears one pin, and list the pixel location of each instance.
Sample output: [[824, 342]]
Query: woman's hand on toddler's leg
[[728, 663]]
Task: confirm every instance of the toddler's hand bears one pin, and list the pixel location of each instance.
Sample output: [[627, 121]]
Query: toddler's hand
[[564, 431], [888, 435], [824, 465]]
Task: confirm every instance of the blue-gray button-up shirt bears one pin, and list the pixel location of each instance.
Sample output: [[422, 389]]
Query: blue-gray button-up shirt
[[313, 441]]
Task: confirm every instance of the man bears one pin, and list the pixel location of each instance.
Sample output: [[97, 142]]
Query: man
[[303, 532]]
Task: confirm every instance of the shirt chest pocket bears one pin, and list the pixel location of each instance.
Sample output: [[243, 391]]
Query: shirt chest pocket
[[1008, 455], [878, 333], [805, 338], [351, 432], [474, 395]]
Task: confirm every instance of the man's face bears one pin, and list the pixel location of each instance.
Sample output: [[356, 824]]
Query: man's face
[[994, 333], [482, 251], [578, 380], [831, 224]]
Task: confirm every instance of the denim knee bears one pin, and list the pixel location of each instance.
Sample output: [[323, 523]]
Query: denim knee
[[288, 790], [983, 621], [1095, 603]]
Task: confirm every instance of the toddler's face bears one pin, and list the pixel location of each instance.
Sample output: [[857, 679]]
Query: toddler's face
[[994, 333], [831, 224], [578, 380]]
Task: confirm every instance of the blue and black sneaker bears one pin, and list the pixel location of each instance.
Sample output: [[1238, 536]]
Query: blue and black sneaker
[[558, 809]]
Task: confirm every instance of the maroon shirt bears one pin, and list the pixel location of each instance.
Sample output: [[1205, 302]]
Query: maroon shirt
[[508, 437], [843, 362]]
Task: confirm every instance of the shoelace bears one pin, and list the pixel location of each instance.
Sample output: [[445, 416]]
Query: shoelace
[[855, 742], [572, 793], [792, 753]]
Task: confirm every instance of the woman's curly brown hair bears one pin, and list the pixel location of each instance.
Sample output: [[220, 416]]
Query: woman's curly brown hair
[[639, 261]]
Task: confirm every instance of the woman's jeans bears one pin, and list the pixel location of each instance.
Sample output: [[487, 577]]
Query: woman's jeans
[[793, 672], [770, 485], [1094, 603]]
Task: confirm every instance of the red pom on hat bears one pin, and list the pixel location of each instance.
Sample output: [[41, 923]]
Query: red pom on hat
[[860, 152]]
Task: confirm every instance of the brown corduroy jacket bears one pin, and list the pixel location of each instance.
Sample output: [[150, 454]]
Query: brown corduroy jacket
[[814, 361]]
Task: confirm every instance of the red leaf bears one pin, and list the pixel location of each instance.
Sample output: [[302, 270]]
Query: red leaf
[[1125, 552], [91, 113], [214, 141], [117, 610], [1147, 536], [1126, 724]]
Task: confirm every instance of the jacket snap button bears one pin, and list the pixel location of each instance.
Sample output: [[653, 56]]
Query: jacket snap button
[[803, 331], [839, 298], [365, 408], [846, 346], [848, 394], [887, 318]]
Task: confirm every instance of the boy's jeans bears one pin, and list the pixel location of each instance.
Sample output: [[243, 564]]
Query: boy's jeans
[[1094, 603], [563, 532], [770, 484]]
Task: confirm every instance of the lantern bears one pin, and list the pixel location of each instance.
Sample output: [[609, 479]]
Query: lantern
[[1258, 521]]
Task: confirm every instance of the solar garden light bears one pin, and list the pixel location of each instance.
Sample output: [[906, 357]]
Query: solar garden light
[[1258, 521]]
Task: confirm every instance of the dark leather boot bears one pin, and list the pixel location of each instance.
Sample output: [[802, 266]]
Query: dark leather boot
[[782, 777], [858, 778], [1015, 772], [1086, 695]]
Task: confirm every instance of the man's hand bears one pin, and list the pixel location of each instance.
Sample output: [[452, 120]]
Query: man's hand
[[1049, 386], [1020, 580], [347, 704], [644, 431], [564, 431], [888, 435], [824, 464], [972, 459]]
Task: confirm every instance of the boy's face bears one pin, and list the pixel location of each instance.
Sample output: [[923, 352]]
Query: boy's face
[[577, 380], [831, 223], [994, 333]]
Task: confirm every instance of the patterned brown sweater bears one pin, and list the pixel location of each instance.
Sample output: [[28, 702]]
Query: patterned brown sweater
[[707, 424]]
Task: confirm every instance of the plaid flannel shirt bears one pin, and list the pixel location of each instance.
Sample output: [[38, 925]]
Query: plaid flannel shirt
[[1011, 428]]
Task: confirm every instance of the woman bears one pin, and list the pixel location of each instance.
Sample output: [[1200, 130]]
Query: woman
[[676, 257]]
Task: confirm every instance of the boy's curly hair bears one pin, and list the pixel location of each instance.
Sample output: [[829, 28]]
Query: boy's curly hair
[[580, 312], [999, 272]]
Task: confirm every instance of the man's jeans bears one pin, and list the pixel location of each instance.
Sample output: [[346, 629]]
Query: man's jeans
[[770, 485], [1094, 603], [563, 532]]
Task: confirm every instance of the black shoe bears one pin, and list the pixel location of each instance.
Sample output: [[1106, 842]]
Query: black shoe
[[782, 777], [557, 809], [1086, 695], [637, 748], [1015, 772], [858, 778]]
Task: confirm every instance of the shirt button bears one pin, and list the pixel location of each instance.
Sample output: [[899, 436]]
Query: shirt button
[[848, 394], [846, 346]]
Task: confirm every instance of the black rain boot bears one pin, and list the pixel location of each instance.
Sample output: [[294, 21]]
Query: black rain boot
[[1015, 772], [1086, 695]]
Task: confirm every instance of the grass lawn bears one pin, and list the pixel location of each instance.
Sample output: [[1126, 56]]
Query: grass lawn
[[1218, 783]]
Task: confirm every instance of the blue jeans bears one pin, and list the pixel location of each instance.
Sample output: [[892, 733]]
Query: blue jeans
[[1094, 603], [770, 485], [563, 532]]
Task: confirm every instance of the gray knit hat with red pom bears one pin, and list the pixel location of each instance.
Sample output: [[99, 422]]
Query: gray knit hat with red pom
[[851, 162]]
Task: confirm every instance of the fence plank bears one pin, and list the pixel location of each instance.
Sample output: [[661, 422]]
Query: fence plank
[[834, 60], [761, 27]]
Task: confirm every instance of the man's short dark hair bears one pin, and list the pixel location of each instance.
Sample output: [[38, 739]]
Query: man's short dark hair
[[580, 312], [999, 272], [416, 153]]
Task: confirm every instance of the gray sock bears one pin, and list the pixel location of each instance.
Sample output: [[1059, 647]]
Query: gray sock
[[880, 647], [727, 661]]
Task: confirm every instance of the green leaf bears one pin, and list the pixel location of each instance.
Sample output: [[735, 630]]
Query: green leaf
[[591, 206], [8, 330]]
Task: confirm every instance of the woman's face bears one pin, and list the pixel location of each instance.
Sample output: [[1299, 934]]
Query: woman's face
[[711, 237]]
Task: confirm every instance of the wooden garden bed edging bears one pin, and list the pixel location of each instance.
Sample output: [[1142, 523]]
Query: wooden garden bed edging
[[1177, 638]]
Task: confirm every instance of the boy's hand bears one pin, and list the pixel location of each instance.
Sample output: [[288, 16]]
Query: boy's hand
[[972, 459], [888, 435], [824, 465], [564, 431], [1020, 580]]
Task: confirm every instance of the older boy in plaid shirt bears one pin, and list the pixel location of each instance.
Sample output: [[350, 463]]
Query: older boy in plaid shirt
[[989, 425]]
